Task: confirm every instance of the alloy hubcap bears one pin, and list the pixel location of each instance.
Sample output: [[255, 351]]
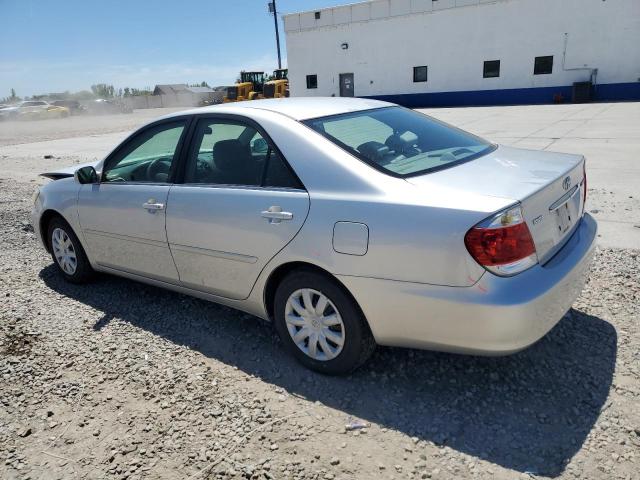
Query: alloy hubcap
[[314, 323], [63, 251]]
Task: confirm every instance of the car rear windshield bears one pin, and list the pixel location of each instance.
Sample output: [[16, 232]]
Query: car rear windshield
[[399, 141]]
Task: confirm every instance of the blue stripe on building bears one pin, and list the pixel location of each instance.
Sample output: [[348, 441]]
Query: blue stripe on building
[[512, 96]]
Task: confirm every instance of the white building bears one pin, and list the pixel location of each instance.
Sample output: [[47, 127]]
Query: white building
[[473, 52]]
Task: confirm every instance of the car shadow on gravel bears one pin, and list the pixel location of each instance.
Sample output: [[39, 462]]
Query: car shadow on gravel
[[530, 412]]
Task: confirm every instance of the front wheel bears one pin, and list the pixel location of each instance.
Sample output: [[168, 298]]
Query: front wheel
[[67, 252], [320, 324]]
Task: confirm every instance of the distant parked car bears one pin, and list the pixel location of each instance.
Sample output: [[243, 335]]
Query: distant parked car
[[346, 222], [216, 97], [35, 110], [8, 112], [107, 106], [6, 109], [74, 106]]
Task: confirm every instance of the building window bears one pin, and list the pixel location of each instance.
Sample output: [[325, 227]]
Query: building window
[[543, 65], [312, 81], [420, 74], [491, 69]]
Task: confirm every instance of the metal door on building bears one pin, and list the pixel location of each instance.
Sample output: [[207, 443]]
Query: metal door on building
[[346, 85]]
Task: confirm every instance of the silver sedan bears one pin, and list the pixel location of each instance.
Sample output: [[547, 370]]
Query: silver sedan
[[346, 222]]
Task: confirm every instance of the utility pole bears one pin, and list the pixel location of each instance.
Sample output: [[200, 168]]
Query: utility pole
[[272, 9]]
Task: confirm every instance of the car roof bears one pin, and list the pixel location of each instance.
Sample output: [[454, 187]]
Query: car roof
[[298, 108]]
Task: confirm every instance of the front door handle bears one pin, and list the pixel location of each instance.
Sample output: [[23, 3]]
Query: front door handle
[[276, 215], [152, 205]]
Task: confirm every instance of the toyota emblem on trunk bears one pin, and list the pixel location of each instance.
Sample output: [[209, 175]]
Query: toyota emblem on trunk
[[566, 183]]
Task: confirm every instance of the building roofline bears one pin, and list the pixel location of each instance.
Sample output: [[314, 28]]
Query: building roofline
[[434, 9], [324, 9]]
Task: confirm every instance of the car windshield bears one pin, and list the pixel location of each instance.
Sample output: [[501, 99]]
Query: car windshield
[[400, 141]]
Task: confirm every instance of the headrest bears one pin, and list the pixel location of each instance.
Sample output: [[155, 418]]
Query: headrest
[[374, 151], [230, 155], [401, 142]]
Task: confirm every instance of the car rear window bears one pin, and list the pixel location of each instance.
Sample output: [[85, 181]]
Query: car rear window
[[399, 141]]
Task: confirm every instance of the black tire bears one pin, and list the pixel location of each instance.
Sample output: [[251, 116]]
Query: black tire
[[359, 343], [83, 271]]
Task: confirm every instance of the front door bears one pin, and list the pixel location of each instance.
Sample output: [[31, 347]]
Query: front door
[[239, 205], [346, 85], [123, 216]]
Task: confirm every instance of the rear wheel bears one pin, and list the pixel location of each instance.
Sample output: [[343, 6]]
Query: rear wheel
[[320, 324], [67, 252]]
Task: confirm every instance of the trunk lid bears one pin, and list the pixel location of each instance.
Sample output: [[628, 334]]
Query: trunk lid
[[548, 185]]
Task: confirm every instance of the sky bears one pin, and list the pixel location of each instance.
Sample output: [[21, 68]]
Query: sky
[[55, 46]]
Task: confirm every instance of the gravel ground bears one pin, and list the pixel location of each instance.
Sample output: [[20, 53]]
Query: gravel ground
[[122, 380]]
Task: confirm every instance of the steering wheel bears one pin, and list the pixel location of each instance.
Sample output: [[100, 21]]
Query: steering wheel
[[158, 166], [203, 166]]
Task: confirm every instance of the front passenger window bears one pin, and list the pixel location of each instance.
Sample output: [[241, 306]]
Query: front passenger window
[[148, 157]]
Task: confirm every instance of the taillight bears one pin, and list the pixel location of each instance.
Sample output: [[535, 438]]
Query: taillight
[[502, 243]]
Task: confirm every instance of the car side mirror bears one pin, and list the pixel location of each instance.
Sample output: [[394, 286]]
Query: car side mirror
[[86, 175]]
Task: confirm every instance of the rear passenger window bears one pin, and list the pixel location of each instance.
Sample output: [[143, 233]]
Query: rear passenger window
[[278, 173], [227, 152]]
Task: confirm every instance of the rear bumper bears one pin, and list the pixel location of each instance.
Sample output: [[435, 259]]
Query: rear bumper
[[496, 316]]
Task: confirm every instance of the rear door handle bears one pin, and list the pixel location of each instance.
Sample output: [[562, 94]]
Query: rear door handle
[[276, 215], [152, 205]]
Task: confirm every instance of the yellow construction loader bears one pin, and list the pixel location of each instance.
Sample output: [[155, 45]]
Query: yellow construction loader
[[249, 87], [278, 86]]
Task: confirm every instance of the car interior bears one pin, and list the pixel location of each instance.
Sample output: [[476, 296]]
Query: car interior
[[222, 153], [233, 154], [147, 157], [399, 141], [226, 153], [399, 149]]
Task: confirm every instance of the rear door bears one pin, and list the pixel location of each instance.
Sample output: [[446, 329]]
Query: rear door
[[238, 205], [346, 85], [123, 216]]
